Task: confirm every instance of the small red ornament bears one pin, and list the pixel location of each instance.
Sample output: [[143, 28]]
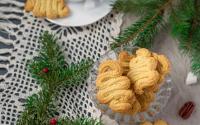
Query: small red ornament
[[45, 70], [186, 110], [53, 121]]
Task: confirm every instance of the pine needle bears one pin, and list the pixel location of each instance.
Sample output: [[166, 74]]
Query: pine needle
[[140, 7], [140, 33], [143, 31], [185, 22], [79, 121]]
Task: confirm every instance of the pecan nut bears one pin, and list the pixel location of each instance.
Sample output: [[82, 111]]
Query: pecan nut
[[186, 110]]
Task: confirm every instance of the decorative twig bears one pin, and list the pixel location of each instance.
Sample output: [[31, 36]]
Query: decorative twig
[[50, 71]]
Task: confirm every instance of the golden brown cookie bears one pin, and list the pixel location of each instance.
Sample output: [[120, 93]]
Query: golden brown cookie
[[114, 89], [120, 102], [153, 88], [136, 107], [143, 52], [47, 8], [124, 59], [63, 10], [43, 8], [146, 71], [135, 92], [108, 79], [107, 93], [143, 79], [160, 122], [140, 63], [50, 13], [29, 5], [163, 66], [145, 100], [36, 9], [109, 65], [146, 123]]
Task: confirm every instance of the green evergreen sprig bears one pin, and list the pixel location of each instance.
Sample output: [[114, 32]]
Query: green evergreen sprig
[[185, 22], [143, 31], [140, 33], [139, 7], [51, 71], [79, 121]]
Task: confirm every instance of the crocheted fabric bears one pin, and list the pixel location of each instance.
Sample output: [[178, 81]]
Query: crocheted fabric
[[19, 34]]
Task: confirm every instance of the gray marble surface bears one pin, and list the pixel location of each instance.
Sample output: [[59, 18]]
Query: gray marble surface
[[181, 92]]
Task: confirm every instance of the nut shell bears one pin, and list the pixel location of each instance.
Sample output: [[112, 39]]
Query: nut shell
[[186, 110]]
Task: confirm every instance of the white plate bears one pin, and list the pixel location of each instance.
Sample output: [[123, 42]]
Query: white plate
[[80, 15]]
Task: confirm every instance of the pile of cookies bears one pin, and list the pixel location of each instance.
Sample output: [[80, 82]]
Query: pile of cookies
[[157, 122], [51, 9], [128, 85]]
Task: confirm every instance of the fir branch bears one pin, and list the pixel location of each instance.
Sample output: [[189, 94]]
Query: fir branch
[[137, 6], [49, 57], [51, 52], [185, 22], [41, 107], [79, 121], [38, 109], [181, 21], [75, 73], [142, 32]]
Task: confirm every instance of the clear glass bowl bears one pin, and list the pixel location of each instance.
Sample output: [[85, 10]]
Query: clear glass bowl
[[160, 102]]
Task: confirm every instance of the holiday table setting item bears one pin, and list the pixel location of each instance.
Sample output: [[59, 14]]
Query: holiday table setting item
[[70, 13], [85, 12], [144, 102]]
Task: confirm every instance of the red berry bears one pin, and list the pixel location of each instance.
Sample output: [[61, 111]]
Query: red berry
[[186, 110], [45, 70], [53, 121]]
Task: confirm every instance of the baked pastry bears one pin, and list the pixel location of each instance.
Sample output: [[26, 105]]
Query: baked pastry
[[124, 59], [160, 122], [145, 100], [143, 73], [136, 107], [146, 123], [29, 5], [129, 84], [47, 8], [114, 89], [163, 68], [143, 52], [147, 71], [157, 122]]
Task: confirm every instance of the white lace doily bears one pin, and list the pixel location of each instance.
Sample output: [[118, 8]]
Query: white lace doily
[[19, 33]]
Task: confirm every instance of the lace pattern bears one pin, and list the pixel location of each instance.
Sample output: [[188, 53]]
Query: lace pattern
[[19, 34]]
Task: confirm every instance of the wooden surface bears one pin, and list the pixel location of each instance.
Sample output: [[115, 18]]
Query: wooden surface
[[181, 92]]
